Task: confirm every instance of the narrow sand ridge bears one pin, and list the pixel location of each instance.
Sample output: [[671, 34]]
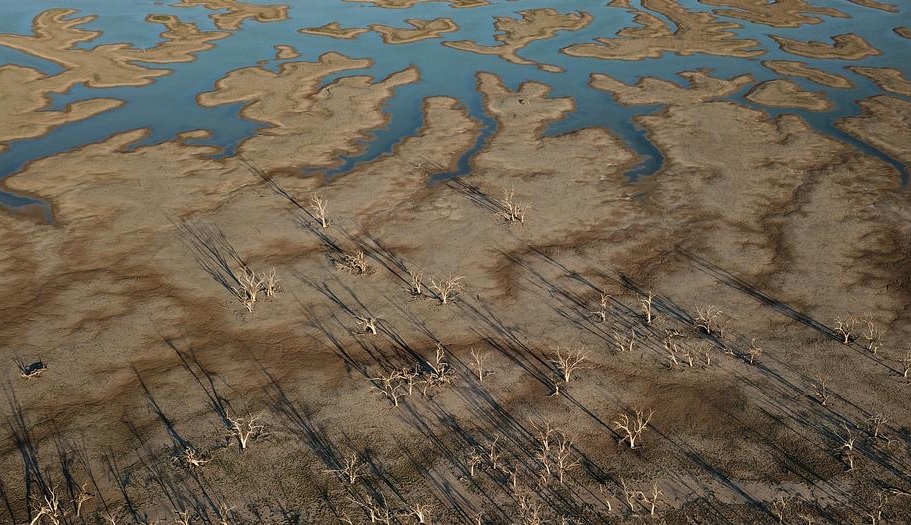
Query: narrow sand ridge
[[514, 34], [802, 70], [307, 126], [404, 4], [335, 30], [786, 94], [421, 30], [25, 91], [695, 32], [903, 32], [884, 6], [782, 13], [845, 47], [236, 11], [887, 78]]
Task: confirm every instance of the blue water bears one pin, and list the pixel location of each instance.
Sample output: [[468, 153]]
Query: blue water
[[168, 106]]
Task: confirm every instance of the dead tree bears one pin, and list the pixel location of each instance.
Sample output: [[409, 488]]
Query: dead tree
[[367, 324], [820, 390], [872, 335], [511, 210], [191, 459], [601, 312], [351, 470], [569, 361], [753, 352], [417, 282], [355, 264], [249, 287], [845, 327], [632, 428], [625, 344], [318, 205], [645, 302], [478, 359], [246, 429], [709, 321], [447, 289], [270, 283]]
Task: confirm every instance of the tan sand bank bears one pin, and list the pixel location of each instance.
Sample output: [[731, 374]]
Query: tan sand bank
[[283, 52], [514, 34], [887, 78], [845, 47], [695, 33], [335, 30], [421, 30], [903, 31], [236, 11], [786, 94], [783, 13], [801, 69]]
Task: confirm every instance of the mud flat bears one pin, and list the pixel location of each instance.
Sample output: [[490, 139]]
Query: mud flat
[[420, 30], [749, 300], [786, 94], [514, 34], [801, 69], [694, 32]]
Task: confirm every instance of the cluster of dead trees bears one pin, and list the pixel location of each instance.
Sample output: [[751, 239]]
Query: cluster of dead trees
[[427, 376]]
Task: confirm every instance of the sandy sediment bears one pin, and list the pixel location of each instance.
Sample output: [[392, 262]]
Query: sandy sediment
[[783, 13], [845, 47], [802, 70], [232, 13], [695, 32], [786, 94], [887, 78], [884, 124], [283, 52], [903, 31], [335, 30], [420, 30], [308, 126], [514, 34], [56, 35]]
